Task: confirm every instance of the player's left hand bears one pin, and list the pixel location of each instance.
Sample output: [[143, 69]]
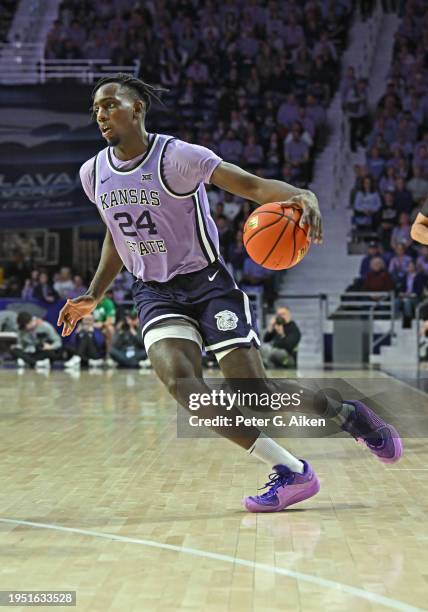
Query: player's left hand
[[311, 214]]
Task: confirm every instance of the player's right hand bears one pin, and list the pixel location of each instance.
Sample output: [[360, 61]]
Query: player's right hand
[[73, 311]]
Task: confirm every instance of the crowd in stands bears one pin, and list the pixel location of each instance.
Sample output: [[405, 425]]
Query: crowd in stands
[[250, 80], [392, 185]]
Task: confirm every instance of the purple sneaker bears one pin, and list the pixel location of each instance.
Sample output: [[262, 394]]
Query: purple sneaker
[[286, 488], [367, 428]]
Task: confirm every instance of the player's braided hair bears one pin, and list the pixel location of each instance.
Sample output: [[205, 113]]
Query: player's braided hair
[[141, 90]]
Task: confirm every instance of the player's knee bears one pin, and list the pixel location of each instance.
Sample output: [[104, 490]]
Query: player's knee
[[179, 380]]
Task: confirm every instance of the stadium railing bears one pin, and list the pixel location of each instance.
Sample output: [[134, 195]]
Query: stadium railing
[[25, 63]]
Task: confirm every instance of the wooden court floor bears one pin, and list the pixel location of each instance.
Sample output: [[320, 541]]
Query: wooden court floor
[[99, 496]]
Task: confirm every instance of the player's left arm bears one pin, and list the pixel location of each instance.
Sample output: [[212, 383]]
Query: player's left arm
[[419, 231], [235, 180]]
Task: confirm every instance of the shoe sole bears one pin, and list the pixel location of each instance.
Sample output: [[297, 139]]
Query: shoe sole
[[305, 493], [398, 446]]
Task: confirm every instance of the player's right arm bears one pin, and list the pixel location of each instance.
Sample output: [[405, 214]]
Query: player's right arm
[[419, 231], [109, 267]]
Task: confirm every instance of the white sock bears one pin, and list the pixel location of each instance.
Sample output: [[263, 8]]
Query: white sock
[[270, 452]]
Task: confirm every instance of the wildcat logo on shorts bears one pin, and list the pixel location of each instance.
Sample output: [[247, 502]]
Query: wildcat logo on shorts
[[226, 320]]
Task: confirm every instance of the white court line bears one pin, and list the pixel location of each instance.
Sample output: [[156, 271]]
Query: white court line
[[322, 582]]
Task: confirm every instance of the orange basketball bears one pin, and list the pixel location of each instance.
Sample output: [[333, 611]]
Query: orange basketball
[[273, 238]]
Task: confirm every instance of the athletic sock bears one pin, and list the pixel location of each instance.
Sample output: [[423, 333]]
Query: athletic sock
[[270, 452]]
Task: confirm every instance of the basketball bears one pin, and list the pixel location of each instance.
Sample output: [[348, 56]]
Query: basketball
[[273, 238]]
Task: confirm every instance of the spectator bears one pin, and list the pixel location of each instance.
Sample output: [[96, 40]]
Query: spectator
[[401, 233], [418, 186], [236, 255], [296, 153], [79, 288], [422, 261], [255, 277], [231, 206], [412, 286], [402, 197], [29, 286], [375, 163], [64, 282], [225, 234], [280, 342], [388, 220], [399, 263], [43, 290], [373, 250], [387, 182], [128, 347], [253, 153], [88, 346], [378, 279], [38, 342], [367, 205], [231, 148], [356, 108], [104, 319]]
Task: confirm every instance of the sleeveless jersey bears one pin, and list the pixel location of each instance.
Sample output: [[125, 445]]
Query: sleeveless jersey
[[157, 232]]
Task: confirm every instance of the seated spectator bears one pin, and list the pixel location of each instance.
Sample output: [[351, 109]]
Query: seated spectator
[[236, 255], [288, 112], [230, 148], [399, 264], [225, 234], [422, 261], [315, 111], [412, 286], [105, 318], [38, 342], [387, 181], [402, 197], [79, 288], [128, 347], [121, 286], [378, 279], [375, 163], [367, 205], [401, 233], [231, 206], [43, 290], [87, 347], [304, 134], [296, 153], [27, 292], [388, 219], [373, 250], [258, 277], [418, 186], [253, 153], [280, 342]]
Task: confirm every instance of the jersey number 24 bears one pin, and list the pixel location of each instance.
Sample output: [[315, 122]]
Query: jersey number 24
[[144, 221]]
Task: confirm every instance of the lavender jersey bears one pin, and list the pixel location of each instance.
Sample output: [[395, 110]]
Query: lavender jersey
[[156, 206]]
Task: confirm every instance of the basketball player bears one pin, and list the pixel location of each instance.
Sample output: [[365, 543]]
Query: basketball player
[[419, 231], [149, 190]]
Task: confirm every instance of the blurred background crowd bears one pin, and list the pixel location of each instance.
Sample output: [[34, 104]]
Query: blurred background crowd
[[392, 185]]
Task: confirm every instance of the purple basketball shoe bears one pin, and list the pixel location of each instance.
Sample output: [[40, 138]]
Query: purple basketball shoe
[[286, 488], [367, 428]]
